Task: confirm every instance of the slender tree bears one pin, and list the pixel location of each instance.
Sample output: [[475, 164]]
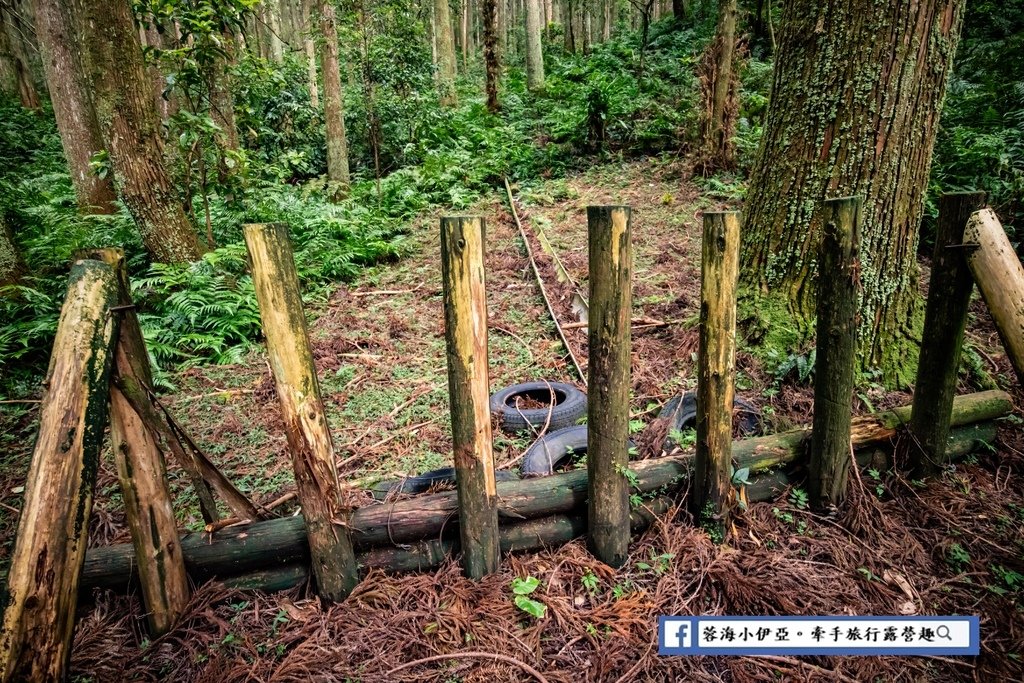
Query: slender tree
[[334, 113], [11, 265], [124, 106], [720, 87], [12, 51], [445, 53], [534, 52], [72, 107], [491, 57], [309, 45], [274, 29], [857, 90]]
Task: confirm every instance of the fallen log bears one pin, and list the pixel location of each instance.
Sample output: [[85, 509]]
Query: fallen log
[[280, 542], [545, 532]]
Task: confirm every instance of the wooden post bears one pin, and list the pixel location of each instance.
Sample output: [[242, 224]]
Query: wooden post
[[143, 474], [309, 437], [716, 364], [1000, 277], [35, 643], [949, 295], [838, 285], [611, 303], [465, 312]]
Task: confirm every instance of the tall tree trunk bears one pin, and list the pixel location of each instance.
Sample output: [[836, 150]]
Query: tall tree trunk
[[856, 95], [464, 33], [8, 66], [124, 107], [11, 265], [310, 47], [721, 88], [445, 53], [334, 113], [222, 104], [274, 29], [491, 60], [72, 107], [534, 53], [13, 44]]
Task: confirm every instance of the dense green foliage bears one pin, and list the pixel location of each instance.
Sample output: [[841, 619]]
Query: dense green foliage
[[981, 140], [426, 155], [408, 153]]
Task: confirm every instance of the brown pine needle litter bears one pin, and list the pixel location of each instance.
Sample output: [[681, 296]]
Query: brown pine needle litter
[[441, 626]]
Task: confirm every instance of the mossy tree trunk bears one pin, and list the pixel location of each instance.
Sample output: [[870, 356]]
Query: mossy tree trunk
[[77, 124], [491, 59], [123, 99], [11, 265], [856, 95]]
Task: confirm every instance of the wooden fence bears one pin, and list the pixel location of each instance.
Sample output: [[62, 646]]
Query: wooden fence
[[99, 360]]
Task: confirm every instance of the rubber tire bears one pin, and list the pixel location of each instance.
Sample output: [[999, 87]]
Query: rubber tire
[[570, 406], [427, 480], [563, 445], [686, 417]]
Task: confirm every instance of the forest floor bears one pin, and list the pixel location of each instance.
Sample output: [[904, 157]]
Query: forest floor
[[953, 547]]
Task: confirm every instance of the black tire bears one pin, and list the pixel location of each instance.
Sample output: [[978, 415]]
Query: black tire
[[570, 406], [681, 411], [427, 480], [556, 450]]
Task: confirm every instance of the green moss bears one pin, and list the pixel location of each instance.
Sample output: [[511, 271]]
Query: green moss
[[770, 329]]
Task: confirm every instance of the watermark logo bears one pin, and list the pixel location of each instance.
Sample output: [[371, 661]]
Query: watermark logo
[[818, 635]]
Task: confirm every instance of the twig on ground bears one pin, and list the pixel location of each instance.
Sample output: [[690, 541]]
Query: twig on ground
[[832, 675], [517, 338], [388, 292]]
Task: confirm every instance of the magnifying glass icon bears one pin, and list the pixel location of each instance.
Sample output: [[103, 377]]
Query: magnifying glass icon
[[943, 632]]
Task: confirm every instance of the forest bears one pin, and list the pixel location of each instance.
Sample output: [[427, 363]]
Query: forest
[[300, 303]]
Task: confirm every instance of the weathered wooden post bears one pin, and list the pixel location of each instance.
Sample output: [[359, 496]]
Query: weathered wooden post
[[1000, 277], [142, 472], [608, 378], [465, 312], [716, 363], [949, 295], [35, 643], [838, 285], [309, 437]]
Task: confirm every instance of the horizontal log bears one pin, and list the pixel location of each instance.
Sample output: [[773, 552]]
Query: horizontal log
[[282, 542], [559, 529]]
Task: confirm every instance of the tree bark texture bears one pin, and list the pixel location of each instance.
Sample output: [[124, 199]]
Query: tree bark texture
[[838, 285], [465, 309], [302, 409], [856, 94], [713, 492], [1000, 277], [124, 108], [949, 296], [722, 91], [608, 372], [77, 124], [446, 63], [309, 45], [35, 643], [11, 264], [492, 62], [334, 113], [13, 54], [534, 51]]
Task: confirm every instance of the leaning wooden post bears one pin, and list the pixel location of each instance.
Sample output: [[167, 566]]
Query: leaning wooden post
[[838, 286], [35, 643], [465, 312], [608, 378], [716, 364], [1000, 277], [949, 295], [309, 437], [142, 472]]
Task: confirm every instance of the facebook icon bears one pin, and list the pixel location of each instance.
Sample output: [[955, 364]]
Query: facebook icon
[[675, 635]]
